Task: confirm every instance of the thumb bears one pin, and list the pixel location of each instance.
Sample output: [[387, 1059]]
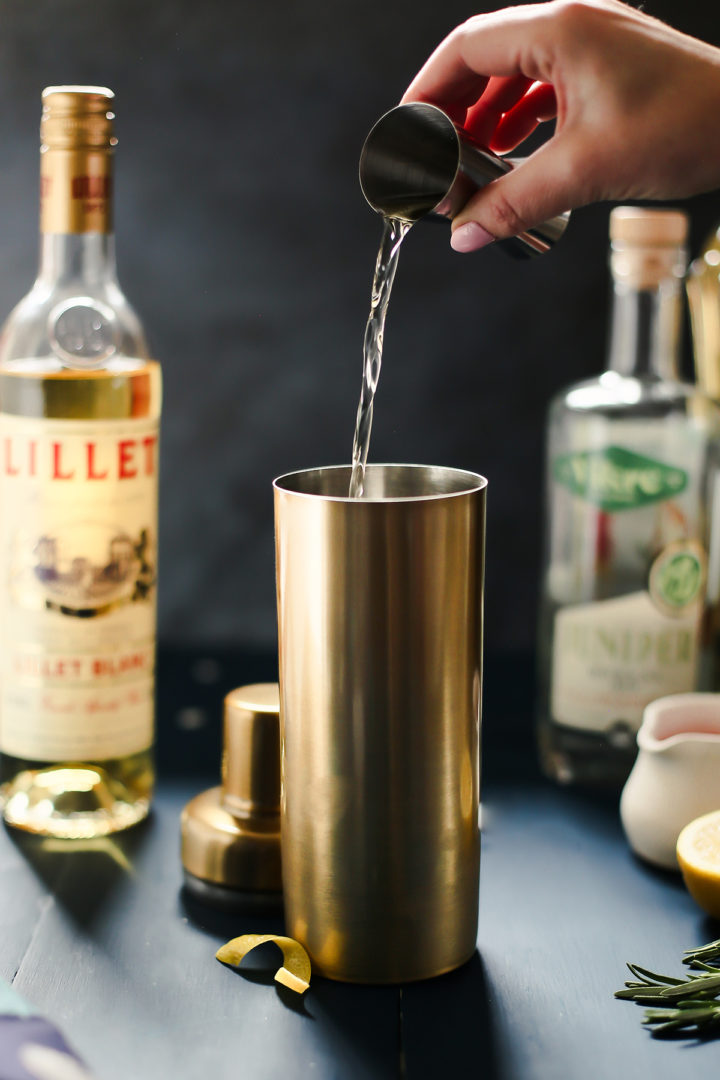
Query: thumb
[[543, 185]]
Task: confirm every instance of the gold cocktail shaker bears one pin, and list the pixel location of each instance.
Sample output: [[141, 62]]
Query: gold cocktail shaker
[[380, 634]]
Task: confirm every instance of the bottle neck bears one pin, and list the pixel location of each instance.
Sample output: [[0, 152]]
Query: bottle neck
[[77, 259], [77, 246], [646, 314]]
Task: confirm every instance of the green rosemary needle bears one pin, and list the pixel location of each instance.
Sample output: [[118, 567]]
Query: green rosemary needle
[[703, 955], [687, 1004]]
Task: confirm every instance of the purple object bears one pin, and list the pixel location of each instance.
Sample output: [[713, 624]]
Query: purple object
[[32, 1049]]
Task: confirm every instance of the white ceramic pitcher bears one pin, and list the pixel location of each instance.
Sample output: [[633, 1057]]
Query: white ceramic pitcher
[[676, 776]]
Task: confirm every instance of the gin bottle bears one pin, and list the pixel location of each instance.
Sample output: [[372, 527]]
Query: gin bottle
[[632, 457], [79, 411]]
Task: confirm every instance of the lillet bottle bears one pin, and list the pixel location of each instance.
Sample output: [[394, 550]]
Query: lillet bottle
[[79, 413], [632, 460]]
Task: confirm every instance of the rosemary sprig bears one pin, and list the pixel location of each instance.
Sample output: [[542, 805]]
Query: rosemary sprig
[[702, 1016], [705, 985], [687, 1004], [701, 957]]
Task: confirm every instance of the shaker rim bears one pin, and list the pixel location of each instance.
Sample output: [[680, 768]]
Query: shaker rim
[[468, 483]]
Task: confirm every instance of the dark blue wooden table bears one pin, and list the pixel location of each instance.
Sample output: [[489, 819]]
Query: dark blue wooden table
[[104, 941]]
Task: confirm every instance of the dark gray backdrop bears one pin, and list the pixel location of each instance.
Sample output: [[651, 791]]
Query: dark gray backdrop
[[244, 242]]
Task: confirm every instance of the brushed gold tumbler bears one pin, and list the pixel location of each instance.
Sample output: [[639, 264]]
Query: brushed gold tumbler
[[380, 614]]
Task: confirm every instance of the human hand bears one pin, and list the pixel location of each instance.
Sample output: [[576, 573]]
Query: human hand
[[636, 104]]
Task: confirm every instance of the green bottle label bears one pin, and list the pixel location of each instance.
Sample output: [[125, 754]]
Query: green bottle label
[[616, 479]]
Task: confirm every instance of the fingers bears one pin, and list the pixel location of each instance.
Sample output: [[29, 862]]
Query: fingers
[[447, 81], [544, 185], [538, 104], [499, 96], [513, 41]]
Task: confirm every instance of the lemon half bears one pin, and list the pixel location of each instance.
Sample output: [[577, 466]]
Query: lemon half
[[698, 853]]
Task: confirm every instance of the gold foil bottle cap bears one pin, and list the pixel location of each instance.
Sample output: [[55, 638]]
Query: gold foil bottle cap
[[77, 117], [231, 834]]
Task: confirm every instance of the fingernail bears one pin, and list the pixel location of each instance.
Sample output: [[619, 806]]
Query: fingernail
[[470, 237]]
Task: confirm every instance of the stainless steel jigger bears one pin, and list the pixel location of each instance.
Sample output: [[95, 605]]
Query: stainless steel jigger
[[416, 162]]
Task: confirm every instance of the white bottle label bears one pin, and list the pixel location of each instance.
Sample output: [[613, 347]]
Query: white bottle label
[[612, 657], [78, 550]]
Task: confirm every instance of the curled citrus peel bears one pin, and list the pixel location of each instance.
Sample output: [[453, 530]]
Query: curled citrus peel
[[295, 972]]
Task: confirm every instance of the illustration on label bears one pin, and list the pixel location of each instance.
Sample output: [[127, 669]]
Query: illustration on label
[[677, 577], [85, 570], [615, 479]]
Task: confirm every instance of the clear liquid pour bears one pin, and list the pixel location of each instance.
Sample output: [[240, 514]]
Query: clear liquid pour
[[394, 232]]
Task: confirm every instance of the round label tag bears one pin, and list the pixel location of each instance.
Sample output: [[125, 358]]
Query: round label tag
[[677, 577]]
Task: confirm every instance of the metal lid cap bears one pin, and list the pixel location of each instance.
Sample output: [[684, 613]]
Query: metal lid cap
[[77, 117], [231, 834], [251, 754], [217, 847]]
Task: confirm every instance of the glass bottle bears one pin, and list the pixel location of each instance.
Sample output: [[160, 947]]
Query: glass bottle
[[79, 414], [632, 457]]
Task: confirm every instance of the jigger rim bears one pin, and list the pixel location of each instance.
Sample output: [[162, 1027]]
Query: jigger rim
[[450, 133], [458, 482]]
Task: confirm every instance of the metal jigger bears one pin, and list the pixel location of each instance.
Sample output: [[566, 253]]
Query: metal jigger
[[231, 834], [416, 162]]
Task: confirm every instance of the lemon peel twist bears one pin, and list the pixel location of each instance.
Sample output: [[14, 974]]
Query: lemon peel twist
[[295, 972]]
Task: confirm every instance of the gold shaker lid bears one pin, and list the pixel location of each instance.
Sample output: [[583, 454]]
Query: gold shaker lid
[[251, 753], [77, 117], [231, 833]]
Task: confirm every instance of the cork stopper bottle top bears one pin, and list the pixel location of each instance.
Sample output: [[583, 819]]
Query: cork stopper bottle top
[[648, 227], [230, 835], [647, 246]]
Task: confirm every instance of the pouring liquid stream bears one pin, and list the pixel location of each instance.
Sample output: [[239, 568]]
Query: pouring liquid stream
[[394, 232]]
